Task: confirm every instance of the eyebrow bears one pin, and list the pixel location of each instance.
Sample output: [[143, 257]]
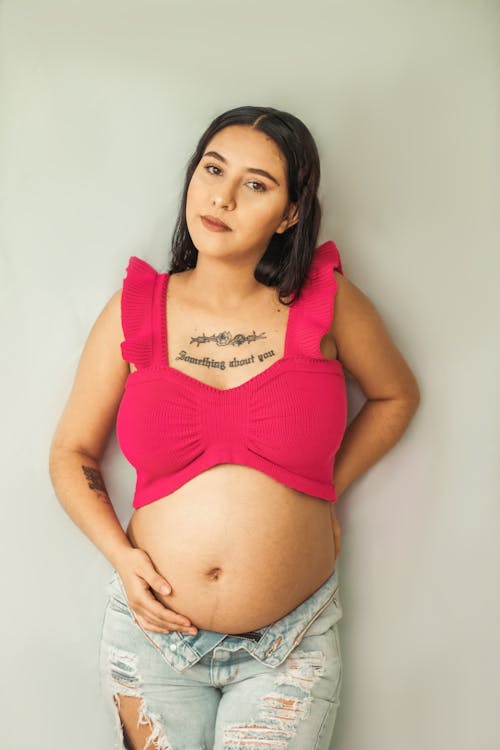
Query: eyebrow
[[254, 170]]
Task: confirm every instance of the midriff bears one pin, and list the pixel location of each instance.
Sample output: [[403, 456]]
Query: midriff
[[239, 549]]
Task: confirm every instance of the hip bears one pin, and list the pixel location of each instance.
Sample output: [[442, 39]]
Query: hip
[[270, 644]]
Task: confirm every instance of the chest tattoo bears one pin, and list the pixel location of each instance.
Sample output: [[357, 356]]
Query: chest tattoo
[[225, 338], [221, 363]]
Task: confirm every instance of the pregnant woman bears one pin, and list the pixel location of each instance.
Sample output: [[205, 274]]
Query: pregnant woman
[[225, 380]]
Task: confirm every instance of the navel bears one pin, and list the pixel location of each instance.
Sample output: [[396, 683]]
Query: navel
[[213, 574]]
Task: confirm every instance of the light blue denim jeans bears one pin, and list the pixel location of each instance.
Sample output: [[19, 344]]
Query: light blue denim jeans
[[277, 687]]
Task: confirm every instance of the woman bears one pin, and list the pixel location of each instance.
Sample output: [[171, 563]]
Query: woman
[[225, 376]]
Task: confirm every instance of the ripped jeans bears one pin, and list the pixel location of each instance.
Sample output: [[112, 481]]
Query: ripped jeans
[[276, 688]]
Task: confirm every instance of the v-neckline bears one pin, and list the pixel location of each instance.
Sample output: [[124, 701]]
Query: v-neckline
[[164, 342]]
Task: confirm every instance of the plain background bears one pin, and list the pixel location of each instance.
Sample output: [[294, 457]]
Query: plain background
[[101, 106]]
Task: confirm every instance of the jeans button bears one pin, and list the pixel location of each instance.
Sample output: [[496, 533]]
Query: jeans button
[[173, 647]]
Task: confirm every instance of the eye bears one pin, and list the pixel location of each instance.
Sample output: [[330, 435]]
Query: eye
[[211, 166], [261, 188]]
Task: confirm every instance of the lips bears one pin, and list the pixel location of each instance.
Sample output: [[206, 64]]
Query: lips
[[212, 221]]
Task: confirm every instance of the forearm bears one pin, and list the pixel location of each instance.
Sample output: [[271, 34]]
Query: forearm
[[80, 489], [376, 428]]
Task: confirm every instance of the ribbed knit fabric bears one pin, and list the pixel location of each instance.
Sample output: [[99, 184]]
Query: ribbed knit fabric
[[287, 421]]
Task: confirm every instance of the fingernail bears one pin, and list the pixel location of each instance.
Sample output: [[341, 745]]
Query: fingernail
[[165, 589]]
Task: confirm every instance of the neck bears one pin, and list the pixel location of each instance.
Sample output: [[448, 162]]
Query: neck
[[223, 284]]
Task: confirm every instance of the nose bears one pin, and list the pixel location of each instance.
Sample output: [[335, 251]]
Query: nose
[[223, 199]]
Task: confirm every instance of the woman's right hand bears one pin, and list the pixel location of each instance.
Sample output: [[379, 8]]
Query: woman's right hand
[[138, 575]]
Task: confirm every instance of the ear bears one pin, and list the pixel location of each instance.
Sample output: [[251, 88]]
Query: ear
[[290, 219]]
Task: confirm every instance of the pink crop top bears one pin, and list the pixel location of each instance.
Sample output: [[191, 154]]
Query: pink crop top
[[287, 421]]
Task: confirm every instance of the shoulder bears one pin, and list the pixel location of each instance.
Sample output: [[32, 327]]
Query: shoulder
[[114, 313], [349, 296], [115, 301], [108, 324], [352, 309], [113, 309], [365, 346], [91, 408], [107, 330]]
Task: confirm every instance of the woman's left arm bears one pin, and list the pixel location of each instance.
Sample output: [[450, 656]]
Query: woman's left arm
[[367, 351]]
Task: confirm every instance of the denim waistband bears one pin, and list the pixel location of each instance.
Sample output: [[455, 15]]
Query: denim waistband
[[271, 644], [253, 635]]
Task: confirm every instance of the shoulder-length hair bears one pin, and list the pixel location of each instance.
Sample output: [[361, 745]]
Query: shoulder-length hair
[[288, 256]]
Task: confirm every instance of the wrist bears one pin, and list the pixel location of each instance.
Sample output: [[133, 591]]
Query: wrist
[[120, 554]]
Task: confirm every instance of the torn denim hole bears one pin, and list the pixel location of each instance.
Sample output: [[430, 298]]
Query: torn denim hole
[[279, 714], [125, 681]]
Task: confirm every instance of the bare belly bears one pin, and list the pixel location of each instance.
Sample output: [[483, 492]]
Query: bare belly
[[239, 549]]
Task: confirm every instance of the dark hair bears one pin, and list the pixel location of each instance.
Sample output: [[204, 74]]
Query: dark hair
[[288, 256]]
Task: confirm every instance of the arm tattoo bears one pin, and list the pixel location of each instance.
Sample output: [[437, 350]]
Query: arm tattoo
[[96, 482]]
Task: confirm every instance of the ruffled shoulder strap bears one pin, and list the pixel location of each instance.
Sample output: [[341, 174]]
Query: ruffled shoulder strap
[[313, 311], [139, 313]]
